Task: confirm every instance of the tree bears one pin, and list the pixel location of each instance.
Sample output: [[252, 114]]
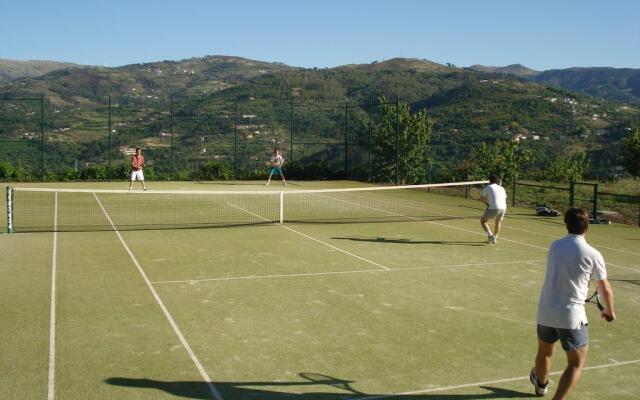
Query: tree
[[631, 153], [569, 168], [398, 130], [502, 158]]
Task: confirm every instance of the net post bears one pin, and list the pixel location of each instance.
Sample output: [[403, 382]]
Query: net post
[[281, 207], [9, 210], [513, 193]]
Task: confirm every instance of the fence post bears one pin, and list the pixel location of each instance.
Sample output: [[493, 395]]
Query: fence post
[[291, 129], [397, 140], [572, 193], [595, 201], [109, 147], [370, 129], [173, 133], [235, 138], [346, 138], [42, 135]]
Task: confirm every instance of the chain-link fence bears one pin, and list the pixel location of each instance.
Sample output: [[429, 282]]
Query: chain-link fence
[[185, 136]]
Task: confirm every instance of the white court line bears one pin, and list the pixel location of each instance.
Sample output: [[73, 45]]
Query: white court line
[[470, 231], [558, 237], [505, 226], [178, 332], [312, 238], [52, 317], [467, 385], [250, 277]]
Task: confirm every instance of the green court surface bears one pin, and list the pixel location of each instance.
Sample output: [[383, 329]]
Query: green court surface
[[415, 309]]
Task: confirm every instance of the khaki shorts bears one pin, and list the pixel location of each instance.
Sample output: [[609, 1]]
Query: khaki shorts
[[491, 213]]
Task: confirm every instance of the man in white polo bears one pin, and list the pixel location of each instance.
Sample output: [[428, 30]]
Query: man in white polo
[[494, 196], [571, 263], [137, 162]]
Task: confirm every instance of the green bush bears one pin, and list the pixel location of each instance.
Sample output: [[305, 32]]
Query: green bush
[[6, 171], [213, 171]]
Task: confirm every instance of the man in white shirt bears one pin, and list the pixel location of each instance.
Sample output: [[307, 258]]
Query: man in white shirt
[[276, 166], [571, 263], [495, 198]]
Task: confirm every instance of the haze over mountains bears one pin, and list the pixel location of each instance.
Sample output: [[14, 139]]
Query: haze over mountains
[[11, 69]]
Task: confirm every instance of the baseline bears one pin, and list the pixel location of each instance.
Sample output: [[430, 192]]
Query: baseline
[[466, 385]]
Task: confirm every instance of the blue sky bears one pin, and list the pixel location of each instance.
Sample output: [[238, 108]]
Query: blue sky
[[539, 34]]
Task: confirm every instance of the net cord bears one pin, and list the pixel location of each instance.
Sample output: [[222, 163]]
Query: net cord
[[250, 192]]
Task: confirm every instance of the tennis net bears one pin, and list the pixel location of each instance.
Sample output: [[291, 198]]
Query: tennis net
[[46, 209]]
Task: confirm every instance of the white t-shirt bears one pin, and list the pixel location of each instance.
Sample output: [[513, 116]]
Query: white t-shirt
[[496, 195], [571, 263], [276, 161]]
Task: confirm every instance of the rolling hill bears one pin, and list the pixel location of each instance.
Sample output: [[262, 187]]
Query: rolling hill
[[220, 108]]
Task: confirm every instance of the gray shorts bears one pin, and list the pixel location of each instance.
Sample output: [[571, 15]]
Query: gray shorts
[[571, 339], [497, 213]]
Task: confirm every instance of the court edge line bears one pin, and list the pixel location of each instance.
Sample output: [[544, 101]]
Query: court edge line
[[505, 226], [52, 315], [559, 237], [312, 238], [250, 277], [466, 385], [474, 232], [172, 322]]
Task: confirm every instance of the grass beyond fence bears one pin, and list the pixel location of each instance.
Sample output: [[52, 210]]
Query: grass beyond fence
[[606, 205]]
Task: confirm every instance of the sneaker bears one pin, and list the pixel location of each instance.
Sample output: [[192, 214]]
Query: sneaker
[[490, 239], [267, 184], [540, 389], [494, 239]]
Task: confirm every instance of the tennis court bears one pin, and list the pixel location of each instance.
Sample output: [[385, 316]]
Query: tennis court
[[402, 306]]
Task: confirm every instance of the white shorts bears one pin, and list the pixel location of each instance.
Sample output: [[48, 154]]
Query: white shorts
[[137, 175]]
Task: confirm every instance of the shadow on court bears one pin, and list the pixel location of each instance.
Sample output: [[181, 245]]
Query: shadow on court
[[409, 241], [252, 390]]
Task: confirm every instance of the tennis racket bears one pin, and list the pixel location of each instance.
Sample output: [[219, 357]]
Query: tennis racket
[[595, 299], [320, 379], [475, 192]]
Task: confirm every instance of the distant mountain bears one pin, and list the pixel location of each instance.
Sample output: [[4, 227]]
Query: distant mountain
[[210, 104], [157, 79], [10, 69], [619, 84], [513, 69], [398, 63]]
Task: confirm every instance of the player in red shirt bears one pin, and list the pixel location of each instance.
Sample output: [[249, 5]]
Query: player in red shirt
[[137, 162]]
